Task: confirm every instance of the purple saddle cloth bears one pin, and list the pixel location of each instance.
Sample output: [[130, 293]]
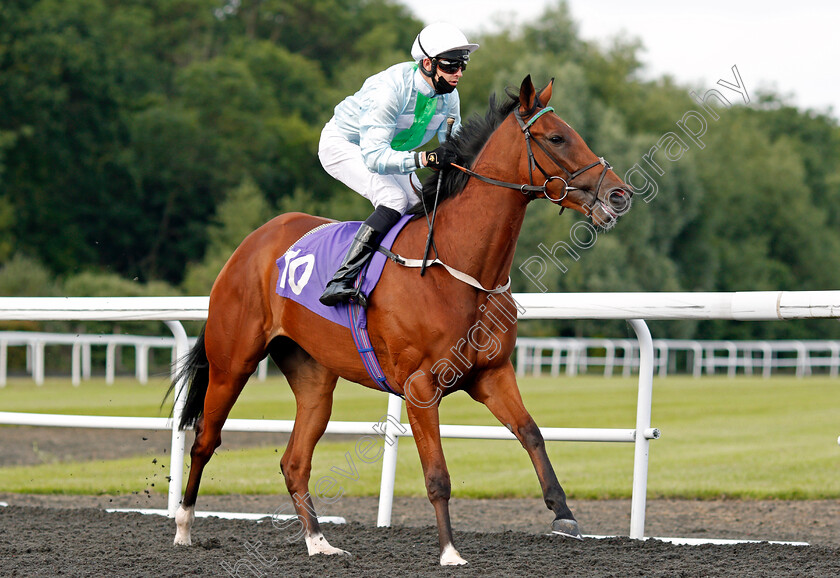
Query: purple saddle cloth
[[309, 264]]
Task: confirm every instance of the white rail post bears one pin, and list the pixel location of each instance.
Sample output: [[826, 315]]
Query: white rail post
[[732, 360], [556, 354], [86, 366], [802, 368], [141, 363], [389, 461], [642, 443], [38, 356], [110, 363], [663, 358], [521, 357], [76, 364], [609, 361], [4, 348], [176, 467], [627, 360], [697, 360]]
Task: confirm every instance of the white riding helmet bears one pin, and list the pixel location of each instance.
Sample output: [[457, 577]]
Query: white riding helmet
[[440, 38]]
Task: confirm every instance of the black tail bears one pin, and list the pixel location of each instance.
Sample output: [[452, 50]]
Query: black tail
[[196, 374]]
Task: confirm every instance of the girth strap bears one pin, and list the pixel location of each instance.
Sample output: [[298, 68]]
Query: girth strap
[[363, 345]]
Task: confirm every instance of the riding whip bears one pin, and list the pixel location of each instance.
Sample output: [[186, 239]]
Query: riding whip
[[429, 240]]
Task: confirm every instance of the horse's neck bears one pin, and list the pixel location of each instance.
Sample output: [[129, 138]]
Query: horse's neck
[[477, 232]]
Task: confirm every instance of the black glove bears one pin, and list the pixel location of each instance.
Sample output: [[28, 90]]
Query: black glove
[[440, 158]]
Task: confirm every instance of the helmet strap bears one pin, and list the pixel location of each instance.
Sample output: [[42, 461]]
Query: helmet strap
[[439, 84]]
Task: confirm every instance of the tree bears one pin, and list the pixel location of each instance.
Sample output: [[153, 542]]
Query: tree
[[71, 75], [325, 31], [141, 135], [244, 210]]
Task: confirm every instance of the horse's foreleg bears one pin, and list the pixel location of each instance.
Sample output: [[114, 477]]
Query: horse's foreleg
[[425, 425], [313, 387], [497, 389]]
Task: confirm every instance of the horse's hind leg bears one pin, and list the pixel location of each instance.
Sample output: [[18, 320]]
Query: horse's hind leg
[[313, 386], [222, 392], [497, 390]]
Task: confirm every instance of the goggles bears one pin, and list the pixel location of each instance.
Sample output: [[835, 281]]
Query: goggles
[[451, 66]]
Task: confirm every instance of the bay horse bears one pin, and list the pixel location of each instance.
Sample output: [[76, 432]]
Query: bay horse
[[413, 322]]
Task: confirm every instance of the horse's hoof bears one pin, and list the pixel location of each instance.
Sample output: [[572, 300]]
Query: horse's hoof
[[331, 551], [328, 551], [317, 544], [451, 557], [566, 528]]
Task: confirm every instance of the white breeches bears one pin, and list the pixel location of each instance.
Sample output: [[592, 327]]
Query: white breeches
[[343, 161]]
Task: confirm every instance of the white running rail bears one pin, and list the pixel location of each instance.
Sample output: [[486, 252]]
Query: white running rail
[[633, 307]]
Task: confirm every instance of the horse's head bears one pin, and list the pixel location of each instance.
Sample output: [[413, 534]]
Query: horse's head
[[574, 176]]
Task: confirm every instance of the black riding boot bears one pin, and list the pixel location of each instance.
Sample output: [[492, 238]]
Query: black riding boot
[[341, 288]]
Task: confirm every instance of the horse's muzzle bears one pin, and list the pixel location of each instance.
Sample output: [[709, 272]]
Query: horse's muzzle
[[613, 205]]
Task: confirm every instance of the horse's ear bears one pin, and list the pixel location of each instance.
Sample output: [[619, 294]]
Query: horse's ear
[[527, 95], [545, 94]]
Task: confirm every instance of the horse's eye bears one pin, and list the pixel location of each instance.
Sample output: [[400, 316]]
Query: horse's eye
[[556, 139]]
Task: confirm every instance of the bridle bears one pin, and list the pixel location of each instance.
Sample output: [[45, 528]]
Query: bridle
[[531, 190]]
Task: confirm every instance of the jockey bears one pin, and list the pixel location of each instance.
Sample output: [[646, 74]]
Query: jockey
[[368, 144]]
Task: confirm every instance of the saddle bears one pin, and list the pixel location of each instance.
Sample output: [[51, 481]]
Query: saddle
[[309, 263]]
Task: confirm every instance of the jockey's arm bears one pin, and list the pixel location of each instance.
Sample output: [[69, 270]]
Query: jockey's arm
[[377, 126]]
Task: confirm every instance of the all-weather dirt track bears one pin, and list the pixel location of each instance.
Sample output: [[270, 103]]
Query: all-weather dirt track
[[73, 535], [66, 537]]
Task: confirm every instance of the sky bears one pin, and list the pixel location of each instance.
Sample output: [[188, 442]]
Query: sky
[[788, 46]]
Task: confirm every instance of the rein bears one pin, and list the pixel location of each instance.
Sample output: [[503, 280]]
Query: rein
[[531, 190], [430, 239]]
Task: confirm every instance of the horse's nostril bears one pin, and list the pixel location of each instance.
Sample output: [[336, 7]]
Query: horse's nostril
[[619, 200]]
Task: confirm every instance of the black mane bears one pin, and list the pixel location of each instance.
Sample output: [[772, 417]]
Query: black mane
[[467, 143]]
